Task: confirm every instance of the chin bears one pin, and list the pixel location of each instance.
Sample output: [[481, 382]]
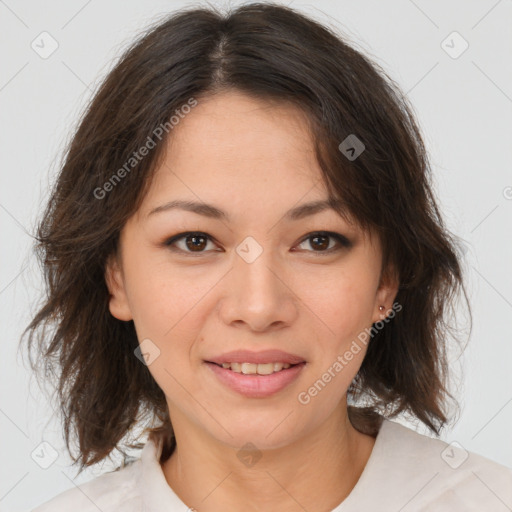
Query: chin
[[264, 435]]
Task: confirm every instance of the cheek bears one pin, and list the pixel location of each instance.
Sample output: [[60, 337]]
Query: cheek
[[168, 309], [163, 298], [342, 302]]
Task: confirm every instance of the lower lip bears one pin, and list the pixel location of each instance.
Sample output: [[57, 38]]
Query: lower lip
[[256, 386]]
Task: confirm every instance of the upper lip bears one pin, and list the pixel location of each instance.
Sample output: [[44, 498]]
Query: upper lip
[[264, 356]]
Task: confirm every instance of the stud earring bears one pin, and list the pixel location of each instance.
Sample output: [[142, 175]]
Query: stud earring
[[381, 308]]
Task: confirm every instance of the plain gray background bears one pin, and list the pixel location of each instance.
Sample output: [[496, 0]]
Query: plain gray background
[[463, 102]]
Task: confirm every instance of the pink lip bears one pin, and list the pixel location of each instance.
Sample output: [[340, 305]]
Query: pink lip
[[265, 356], [256, 386]]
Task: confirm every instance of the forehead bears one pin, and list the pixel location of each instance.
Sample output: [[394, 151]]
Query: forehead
[[240, 131], [232, 145], [232, 108]]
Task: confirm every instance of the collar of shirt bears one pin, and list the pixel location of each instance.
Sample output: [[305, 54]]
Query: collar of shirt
[[406, 471], [158, 496]]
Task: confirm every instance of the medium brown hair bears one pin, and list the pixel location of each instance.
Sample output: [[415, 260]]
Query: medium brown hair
[[272, 53]]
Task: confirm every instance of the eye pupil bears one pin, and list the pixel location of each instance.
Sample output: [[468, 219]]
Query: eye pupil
[[322, 245], [195, 244]]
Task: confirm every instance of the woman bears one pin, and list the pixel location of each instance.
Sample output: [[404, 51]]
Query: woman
[[244, 256]]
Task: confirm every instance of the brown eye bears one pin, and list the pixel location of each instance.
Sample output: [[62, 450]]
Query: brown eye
[[320, 242], [193, 242]]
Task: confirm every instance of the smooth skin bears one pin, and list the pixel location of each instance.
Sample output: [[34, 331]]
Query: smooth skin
[[254, 160]]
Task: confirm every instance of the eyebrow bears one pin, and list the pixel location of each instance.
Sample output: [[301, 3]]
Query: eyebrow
[[208, 210]]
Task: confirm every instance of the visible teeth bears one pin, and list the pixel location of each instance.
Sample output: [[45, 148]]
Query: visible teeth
[[252, 368], [236, 367], [249, 368], [265, 369]]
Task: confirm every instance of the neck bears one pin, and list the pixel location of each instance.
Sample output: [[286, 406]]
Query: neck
[[316, 472]]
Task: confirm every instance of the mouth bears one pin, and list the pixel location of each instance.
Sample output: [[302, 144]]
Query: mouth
[[255, 369], [253, 380]]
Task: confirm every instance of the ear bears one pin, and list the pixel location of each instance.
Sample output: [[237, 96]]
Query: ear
[[118, 302], [386, 293]]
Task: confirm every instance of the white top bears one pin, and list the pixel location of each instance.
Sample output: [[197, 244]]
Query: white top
[[406, 472]]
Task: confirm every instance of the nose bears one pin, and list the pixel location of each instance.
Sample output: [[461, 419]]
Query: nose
[[259, 295]]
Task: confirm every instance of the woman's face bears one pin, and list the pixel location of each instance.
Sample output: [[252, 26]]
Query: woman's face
[[254, 279]]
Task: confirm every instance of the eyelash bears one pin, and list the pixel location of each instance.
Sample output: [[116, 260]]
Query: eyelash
[[343, 242]]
